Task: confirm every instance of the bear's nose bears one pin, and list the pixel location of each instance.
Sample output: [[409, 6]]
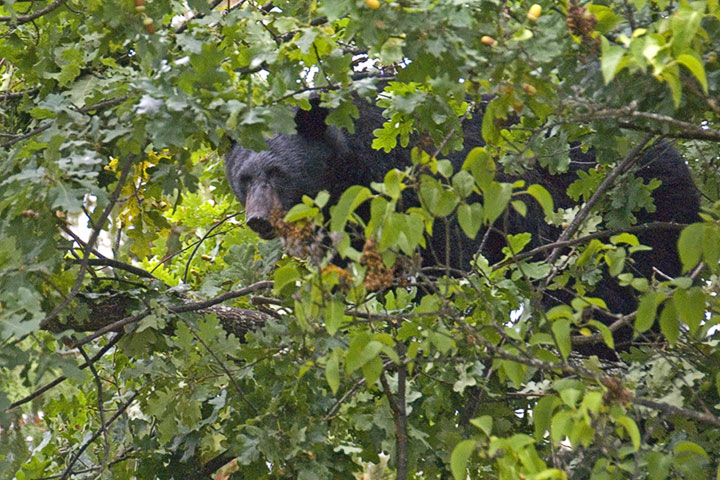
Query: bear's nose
[[262, 227]]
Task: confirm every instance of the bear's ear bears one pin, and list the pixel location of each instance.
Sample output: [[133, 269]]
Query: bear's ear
[[311, 123]]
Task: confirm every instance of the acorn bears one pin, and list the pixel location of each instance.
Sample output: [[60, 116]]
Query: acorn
[[529, 89], [489, 41], [534, 12], [149, 25]]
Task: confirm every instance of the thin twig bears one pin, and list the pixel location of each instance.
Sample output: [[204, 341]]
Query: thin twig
[[222, 365], [577, 241], [101, 412], [112, 327], [91, 242], [351, 391], [579, 219], [121, 410], [113, 341], [440, 147], [497, 352], [42, 128], [199, 243]]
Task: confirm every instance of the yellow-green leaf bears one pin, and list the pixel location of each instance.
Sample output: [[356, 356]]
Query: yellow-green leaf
[[332, 372], [696, 68], [611, 57], [459, 458], [631, 428], [543, 197]]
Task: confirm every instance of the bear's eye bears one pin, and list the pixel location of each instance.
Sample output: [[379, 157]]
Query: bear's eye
[[273, 172], [245, 179]]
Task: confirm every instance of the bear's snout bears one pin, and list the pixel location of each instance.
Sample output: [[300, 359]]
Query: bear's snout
[[262, 199]]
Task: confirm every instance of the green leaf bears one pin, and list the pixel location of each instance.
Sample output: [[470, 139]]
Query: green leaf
[[460, 457], [463, 183], [542, 415], [690, 245], [393, 225], [690, 447], [561, 331], [610, 60], [516, 243], [332, 371], [481, 165], [444, 168], [696, 68], [543, 197], [669, 325], [561, 425], [515, 371], [607, 19], [658, 465], [671, 75], [685, 24], [372, 369], [72, 371], [496, 198], [285, 277], [626, 238], [393, 184], [439, 201], [470, 218], [484, 423], [359, 354], [349, 201], [711, 246], [334, 315], [490, 132], [605, 332], [632, 429], [647, 309], [299, 212], [690, 304], [520, 207]]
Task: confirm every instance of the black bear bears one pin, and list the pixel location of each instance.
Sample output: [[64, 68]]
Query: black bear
[[321, 157]]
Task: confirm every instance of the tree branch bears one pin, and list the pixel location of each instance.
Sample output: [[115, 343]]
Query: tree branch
[[497, 352], [20, 19], [30, 91], [397, 405], [90, 108], [579, 219], [121, 410], [113, 341], [598, 112], [645, 227]]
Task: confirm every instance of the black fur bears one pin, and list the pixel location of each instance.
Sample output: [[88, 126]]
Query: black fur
[[322, 157]]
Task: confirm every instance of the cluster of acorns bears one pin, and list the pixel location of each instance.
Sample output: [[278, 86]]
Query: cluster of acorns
[[533, 14], [147, 21]]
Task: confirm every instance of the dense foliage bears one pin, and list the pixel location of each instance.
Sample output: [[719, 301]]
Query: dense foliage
[[119, 240]]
